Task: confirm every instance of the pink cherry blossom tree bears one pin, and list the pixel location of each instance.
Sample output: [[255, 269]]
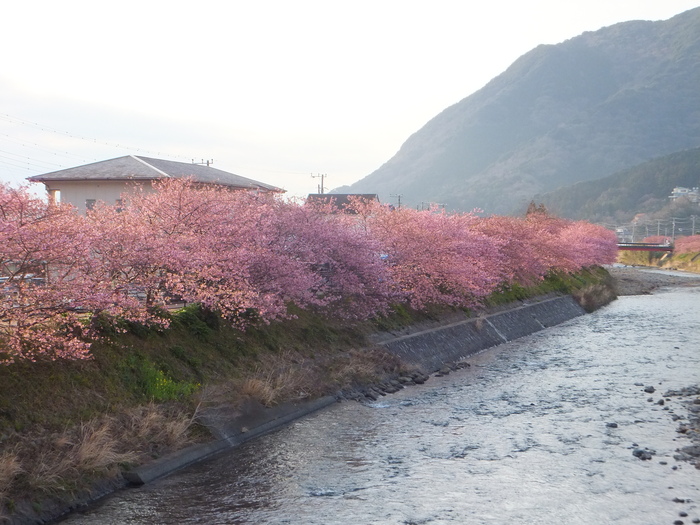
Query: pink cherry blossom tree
[[689, 244], [49, 280], [433, 257], [249, 257]]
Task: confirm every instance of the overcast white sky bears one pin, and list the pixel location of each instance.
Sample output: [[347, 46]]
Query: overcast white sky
[[274, 90]]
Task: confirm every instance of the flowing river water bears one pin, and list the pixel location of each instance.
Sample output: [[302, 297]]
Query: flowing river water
[[538, 431]]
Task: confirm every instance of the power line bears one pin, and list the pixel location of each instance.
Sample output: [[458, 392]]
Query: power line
[[28, 160], [45, 128], [34, 145]]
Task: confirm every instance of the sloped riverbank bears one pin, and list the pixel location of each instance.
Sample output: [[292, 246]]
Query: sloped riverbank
[[577, 424], [233, 424], [423, 351]]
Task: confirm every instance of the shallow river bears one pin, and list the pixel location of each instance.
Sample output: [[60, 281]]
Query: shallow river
[[523, 436]]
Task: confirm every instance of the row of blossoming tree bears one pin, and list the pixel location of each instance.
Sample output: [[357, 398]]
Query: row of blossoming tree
[[688, 244], [248, 257]]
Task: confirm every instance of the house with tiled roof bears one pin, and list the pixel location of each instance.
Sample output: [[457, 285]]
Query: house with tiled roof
[[106, 181]]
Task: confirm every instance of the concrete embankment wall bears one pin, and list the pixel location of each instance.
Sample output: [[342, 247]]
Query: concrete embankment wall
[[431, 349]]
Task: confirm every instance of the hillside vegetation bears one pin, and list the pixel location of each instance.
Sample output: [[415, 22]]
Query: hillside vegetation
[[642, 189], [576, 111]]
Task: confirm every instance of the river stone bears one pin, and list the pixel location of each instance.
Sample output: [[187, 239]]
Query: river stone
[[378, 391], [393, 388], [692, 451], [649, 389], [643, 454], [419, 378]]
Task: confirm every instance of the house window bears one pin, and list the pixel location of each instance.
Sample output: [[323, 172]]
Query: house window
[[89, 204]]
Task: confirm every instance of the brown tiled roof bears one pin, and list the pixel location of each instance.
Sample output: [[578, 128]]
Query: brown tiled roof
[[133, 167]]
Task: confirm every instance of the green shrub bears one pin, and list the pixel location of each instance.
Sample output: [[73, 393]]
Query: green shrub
[[192, 318], [153, 382]]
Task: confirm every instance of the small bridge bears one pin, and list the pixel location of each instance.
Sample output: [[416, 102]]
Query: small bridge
[[645, 247]]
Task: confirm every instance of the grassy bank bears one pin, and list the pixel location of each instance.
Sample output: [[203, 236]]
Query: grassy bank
[[688, 262], [67, 426]]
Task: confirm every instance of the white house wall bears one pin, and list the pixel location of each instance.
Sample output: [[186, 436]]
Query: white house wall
[[78, 193]]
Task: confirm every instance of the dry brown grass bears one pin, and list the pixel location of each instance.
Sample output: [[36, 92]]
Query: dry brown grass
[[160, 425], [362, 367], [10, 468], [357, 366], [61, 464], [284, 377], [260, 389], [289, 376], [97, 448], [91, 449]]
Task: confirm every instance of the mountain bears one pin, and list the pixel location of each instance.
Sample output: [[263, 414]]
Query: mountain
[[644, 188], [575, 111]]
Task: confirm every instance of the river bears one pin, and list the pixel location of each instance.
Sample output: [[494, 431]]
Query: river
[[538, 431]]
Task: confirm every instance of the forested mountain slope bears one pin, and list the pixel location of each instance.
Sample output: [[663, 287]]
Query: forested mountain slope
[[576, 111], [645, 188]]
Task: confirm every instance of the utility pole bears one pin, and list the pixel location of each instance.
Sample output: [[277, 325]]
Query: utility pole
[[693, 230], [398, 196], [322, 176]]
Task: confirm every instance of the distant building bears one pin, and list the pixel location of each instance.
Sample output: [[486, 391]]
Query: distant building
[[624, 234], [83, 186], [692, 194], [341, 201]]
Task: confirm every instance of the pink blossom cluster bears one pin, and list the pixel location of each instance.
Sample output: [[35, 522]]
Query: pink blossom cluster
[[657, 239], [249, 257], [689, 244]]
